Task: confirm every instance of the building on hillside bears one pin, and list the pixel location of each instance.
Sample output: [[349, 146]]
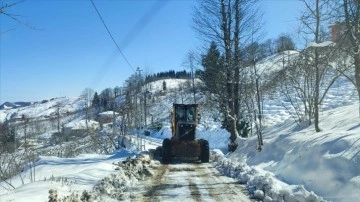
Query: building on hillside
[[78, 129], [106, 117], [337, 31]]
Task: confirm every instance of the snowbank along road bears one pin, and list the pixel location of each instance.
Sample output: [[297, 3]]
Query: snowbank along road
[[190, 182]]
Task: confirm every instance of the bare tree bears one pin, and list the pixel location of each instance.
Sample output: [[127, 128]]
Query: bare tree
[[4, 10], [351, 38], [284, 42], [7, 138], [131, 109], [226, 23], [87, 94], [4, 7], [190, 63], [255, 52], [58, 116], [314, 19], [25, 121], [117, 91]]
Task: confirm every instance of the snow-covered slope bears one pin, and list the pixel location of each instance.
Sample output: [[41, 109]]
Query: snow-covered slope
[[171, 84], [44, 109], [66, 175], [78, 125], [275, 62], [326, 162], [12, 105]]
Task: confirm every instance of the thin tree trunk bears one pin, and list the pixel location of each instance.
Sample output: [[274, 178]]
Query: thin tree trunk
[[357, 76], [237, 61], [259, 113], [351, 26], [317, 70], [317, 89], [226, 25]]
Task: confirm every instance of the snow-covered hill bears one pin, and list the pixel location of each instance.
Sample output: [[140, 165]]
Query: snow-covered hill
[[12, 105], [43, 110], [296, 163]]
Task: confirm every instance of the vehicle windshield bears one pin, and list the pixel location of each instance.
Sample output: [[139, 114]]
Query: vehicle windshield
[[185, 114], [190, 114], [180, 114]]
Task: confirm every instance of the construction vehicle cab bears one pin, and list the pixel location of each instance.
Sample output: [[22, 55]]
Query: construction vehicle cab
[[183, 145]]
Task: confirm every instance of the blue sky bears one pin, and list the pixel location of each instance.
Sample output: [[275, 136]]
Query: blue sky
[[71, 50]]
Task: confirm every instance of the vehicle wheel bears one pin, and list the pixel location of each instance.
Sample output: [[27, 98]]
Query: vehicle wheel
[[158, 152], [205, 152], [166, 151]]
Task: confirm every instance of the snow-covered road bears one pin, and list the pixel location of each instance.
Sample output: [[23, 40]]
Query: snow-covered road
[[190, 182]]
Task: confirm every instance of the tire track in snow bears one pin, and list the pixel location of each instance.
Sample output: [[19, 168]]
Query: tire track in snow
[[155, 183], [191, 182]]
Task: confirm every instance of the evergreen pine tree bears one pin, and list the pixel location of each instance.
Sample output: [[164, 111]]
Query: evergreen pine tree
[[164, 86], [213, 66], [96, 100]]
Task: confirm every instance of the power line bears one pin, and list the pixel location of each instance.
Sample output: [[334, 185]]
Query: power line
[[102, 20]]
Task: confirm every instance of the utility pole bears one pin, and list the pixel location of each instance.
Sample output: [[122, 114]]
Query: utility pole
[[114, 118], [145, 97], [138, 91], [26, 122], [141, 144], [58, 116], [191, 60]]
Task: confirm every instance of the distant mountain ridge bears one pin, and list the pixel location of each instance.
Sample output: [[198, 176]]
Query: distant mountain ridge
[[14, 105]]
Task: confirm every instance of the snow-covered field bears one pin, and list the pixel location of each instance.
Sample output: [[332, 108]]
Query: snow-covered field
[[296, 164]]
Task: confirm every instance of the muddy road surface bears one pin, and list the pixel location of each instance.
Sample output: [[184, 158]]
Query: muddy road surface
[[188, 182]]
